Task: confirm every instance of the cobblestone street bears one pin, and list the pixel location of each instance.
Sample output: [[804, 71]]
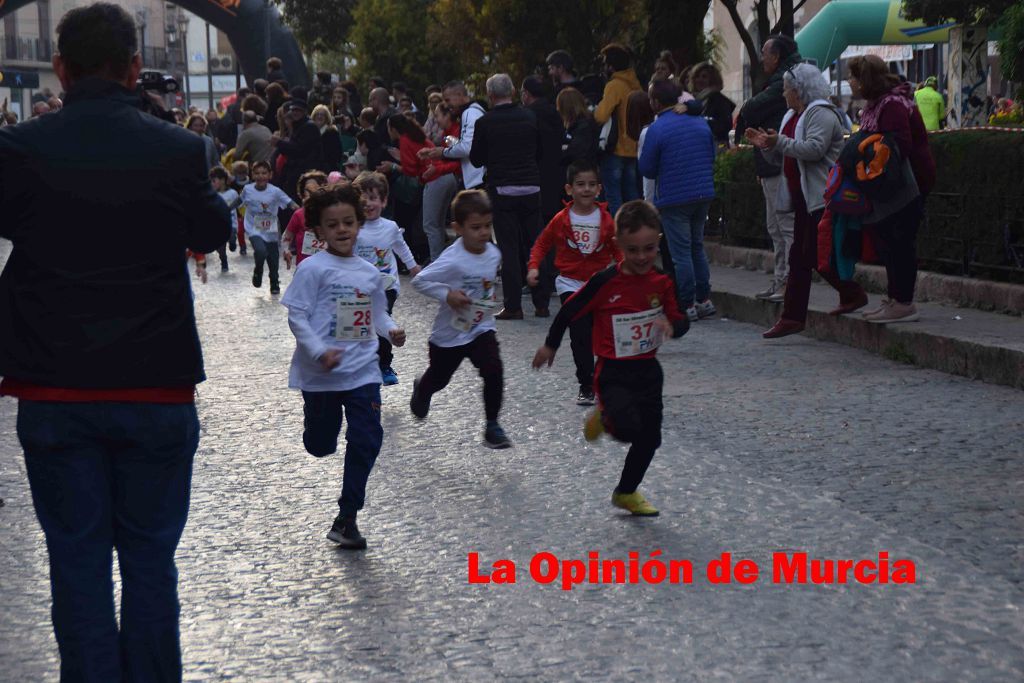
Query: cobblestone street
[[797, 445]]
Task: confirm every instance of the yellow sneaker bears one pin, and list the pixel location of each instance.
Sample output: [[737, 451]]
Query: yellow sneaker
[[593, 428], [635, 503]]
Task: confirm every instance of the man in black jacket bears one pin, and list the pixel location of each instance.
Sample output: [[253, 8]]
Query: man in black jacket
[[765, 110], [302, 149], [98, 343], [507, 141]]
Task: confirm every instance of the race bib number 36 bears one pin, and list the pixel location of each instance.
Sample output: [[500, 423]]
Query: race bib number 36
[[637, 333], [465, 319], [311, 245], [586, 237], [355, 320]]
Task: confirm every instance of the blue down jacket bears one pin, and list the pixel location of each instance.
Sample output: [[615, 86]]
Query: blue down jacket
[[679, 153]]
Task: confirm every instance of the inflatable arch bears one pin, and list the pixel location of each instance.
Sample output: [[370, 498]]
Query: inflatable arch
[[842, 23], [254, 28]]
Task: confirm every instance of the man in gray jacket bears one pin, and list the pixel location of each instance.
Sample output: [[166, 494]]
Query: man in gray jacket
[[765, 111]]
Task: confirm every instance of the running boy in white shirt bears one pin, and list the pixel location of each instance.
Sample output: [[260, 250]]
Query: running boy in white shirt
[[262, 201], [336, 308], [379, 240], [220, 179], [463, 280]]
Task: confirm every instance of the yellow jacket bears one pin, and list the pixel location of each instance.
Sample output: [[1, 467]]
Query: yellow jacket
[[616, 94]]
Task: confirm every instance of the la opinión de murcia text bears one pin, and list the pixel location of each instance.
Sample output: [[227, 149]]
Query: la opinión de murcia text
[[786, 568]]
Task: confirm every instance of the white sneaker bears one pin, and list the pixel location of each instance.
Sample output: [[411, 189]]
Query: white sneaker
[[705, 309], [886, 302], [896, 312], [692, 314], [772, 288]]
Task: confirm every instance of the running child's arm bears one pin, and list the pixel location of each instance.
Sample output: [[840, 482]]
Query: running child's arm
[[541, 247], [306, 339], [383, 323], [680, 324], [579, 304], [403, 252]]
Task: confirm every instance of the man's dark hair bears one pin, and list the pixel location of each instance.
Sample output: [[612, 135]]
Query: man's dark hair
[[274, 64], [468, 202], [377, 82], [637, 214], [399, 86], [98, 40], [432, 88], [781, 45], [616, 56], [324, 77], [665, 92], [536, 86], [243, 92], [456, 85], [560, 58], [581, 166]]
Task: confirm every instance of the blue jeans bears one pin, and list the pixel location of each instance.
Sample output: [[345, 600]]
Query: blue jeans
[[684, 231], [263, 250], [618, 175], [324, 411], [106, 476]]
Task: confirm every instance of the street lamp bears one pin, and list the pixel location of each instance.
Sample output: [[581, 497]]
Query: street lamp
[[183, 36], [141, 14]]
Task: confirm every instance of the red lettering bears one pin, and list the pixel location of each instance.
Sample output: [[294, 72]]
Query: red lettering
[[613, 571], [904, 571], [720, 570], [746, 571], [573, 572], [843, 572], [680, 571], [862, 571], [786, 569], [474, 570], [504, 572], [550, 573]]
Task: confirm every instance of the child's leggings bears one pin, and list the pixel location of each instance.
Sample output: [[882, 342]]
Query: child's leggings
[[629, 393]]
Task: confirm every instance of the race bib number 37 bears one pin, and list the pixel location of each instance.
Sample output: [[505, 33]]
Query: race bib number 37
[[355, 320], [637, 333], [465, 319]]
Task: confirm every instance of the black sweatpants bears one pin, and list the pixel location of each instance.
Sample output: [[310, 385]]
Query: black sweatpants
[[385, 352], [629, 394], [580, 340], [483, 353], [516, 227]]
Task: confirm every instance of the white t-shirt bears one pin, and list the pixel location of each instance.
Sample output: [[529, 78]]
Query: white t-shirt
[[474, 274], [378, 242], [230, 198], [261, 209], [336, 302], [586, 235]]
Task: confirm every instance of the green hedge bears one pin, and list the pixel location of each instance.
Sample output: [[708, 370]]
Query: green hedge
[[974, 221]]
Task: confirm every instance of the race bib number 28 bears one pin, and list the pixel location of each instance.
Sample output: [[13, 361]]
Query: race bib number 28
[[637, 333], [355, 320]]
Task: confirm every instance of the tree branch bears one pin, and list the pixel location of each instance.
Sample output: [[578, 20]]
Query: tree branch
[[748, 40]]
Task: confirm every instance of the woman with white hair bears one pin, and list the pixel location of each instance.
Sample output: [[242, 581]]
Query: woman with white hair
[[807, 147]]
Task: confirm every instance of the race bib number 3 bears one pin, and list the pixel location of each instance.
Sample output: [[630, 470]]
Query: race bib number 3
[[311, 245], [465, 319], [586, 237], [637, 333], [355, 320]]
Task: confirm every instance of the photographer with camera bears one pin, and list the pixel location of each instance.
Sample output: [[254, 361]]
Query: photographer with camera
[[100, 345]]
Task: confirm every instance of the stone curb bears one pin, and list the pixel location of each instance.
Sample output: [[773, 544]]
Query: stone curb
[[965, 292], [903, 344]]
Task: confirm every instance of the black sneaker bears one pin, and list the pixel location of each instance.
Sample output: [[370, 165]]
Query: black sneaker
[[224, 268], [257, 279], [275, 289], [346, 534], [418, 406], [585, 397], [494, 436]]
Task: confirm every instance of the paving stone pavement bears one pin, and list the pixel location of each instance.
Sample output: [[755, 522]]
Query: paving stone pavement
[[785, 446]]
